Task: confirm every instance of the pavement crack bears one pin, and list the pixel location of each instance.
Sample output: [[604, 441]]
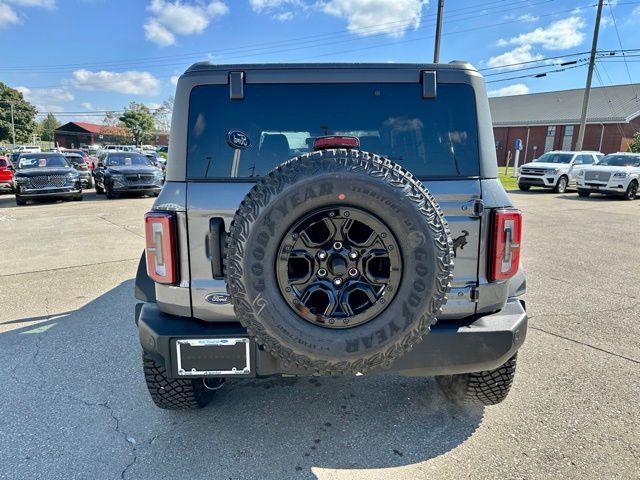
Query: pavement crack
[[120, 226], [577, 314], [584, 344], [57, 269], [115, 418]]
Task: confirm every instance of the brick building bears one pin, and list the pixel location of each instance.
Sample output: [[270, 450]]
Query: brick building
[[77, 134], [549, 121]]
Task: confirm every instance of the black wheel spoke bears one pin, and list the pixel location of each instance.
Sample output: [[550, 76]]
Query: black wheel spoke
[[338, 267]]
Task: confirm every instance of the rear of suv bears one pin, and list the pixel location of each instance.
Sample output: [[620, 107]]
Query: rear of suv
[[322, 219], [556, 170]]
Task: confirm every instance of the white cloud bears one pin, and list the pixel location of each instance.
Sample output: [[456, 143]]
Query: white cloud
[[559, 35], [39, 95], [8, 16], [267, 5], [636, 12], [284, 16], [46, 99], [368, 17], [34, 3], [527, 17], [174, 80], [517, 55], [158, 34], [281, 10], [129, 82], [176, 17], [515, 89], [606, 21]]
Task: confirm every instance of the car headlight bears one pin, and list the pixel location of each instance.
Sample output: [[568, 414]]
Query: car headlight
[[581, 173], [72, 176], [553, 171], [117, 177], [621, 174], [22, 180]]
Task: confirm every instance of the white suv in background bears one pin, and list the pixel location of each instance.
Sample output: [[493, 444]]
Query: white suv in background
[[616, 174], [556, 170]]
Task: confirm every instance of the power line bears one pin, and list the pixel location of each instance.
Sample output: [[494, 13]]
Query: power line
[[464, 12], [626, 65]]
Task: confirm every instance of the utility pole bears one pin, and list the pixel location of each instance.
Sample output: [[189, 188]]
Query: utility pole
[[587, 90], [436, 50], [13, 125]]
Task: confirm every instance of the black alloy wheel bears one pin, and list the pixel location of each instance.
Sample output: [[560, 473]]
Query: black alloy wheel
[[339, 267]]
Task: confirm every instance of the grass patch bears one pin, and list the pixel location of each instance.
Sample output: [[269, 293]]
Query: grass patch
[[508, 182]]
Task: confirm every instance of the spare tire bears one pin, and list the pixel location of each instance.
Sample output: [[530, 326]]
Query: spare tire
[[338, 261]]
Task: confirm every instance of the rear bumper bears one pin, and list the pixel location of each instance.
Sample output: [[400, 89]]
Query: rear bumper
[[481, 343]]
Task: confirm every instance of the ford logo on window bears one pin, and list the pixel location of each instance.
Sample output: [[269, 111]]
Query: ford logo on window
[[238, 140], [218, 298]]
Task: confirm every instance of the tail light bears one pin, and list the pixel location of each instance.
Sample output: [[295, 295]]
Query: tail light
[[160, 233], [321, 143], [505, 250]]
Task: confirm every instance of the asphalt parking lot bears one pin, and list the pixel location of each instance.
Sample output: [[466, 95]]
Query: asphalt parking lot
[[74, 405]]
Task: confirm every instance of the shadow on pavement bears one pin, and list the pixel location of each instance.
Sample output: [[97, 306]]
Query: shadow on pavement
[[84, 411]]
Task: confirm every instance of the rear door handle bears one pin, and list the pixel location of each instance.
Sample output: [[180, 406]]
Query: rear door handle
[[215, 246]]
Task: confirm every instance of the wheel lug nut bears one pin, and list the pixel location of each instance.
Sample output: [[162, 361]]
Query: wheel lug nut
[[353, 272], [322, 254], [353, 255], [322, 272], [337, 281], [337, 246]]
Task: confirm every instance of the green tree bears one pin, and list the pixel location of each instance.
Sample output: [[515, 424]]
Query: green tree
[[24, 115], [137, 119], [46, 127], [635, 144]]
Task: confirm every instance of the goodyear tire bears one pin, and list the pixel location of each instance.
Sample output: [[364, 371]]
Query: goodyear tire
[[416, 237], [175, 393], [489, 387]]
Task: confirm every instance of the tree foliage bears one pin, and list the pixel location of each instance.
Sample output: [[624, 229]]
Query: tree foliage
[[24, 115], [137, 119], [635, 144], [46, 127]]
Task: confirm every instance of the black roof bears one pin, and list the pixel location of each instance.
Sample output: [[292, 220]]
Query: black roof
[[208, 66]]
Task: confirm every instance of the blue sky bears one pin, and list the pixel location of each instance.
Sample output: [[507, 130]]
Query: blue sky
[[94, 55]]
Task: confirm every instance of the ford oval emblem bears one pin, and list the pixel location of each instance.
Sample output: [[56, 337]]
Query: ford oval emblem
[[218, 298], [238, 140]]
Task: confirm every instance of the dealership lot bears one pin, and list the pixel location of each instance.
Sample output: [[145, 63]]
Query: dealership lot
[[74, 404]]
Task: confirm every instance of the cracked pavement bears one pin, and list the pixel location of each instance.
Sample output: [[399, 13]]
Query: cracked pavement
[[74, 404]]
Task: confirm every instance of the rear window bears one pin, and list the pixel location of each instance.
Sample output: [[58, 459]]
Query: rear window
[[432, 138]]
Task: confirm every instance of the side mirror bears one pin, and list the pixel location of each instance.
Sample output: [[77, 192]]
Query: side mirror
[[10, 167]]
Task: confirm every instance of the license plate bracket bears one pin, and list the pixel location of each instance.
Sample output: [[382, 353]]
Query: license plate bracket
[[213, 356]]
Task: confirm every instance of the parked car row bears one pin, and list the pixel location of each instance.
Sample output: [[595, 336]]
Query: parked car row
[[589, 172], [65, 174]]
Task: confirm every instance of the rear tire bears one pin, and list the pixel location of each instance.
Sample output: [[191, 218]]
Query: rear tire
[[89, 184], [584, 193], [20, 202], [489, 387], [562, 184], [524, 188], [175, 393], [99, 190]]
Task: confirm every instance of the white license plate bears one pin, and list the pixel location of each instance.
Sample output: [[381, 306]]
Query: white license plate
[[213, 356]]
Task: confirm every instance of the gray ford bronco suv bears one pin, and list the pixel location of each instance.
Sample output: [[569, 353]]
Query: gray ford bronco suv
[[323, 219]]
